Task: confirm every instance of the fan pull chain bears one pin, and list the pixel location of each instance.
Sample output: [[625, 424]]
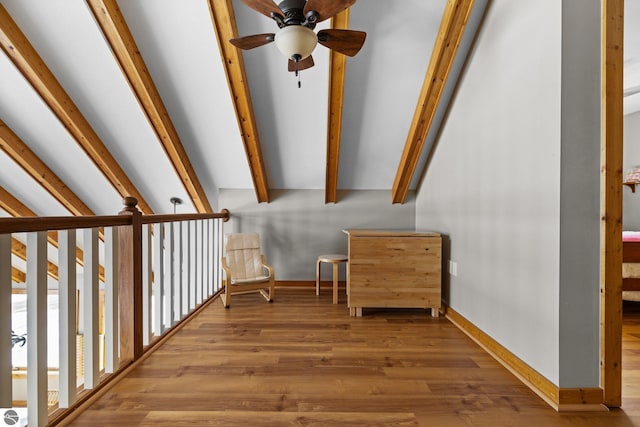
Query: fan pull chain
[[296, 59]]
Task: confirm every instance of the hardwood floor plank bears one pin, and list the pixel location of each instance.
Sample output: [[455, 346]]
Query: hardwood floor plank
[[304, 361], [269, 419]]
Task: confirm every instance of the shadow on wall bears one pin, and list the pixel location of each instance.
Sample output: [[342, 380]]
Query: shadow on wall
[[297, 226]]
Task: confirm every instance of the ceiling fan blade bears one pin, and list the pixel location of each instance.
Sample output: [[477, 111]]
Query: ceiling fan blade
[[249, 42], [302, 65], [348, 42], [326, 9], [265, 7]]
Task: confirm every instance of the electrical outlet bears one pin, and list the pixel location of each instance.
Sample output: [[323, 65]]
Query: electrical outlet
[[453, 268]]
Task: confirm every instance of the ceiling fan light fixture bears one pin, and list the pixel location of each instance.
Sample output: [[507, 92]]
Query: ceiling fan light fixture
[[296, 41]]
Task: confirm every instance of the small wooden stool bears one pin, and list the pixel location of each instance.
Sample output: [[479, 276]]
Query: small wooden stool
[[334, 259]]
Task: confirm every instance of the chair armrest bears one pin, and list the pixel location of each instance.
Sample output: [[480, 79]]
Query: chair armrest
[[267, 266], [226, 268]]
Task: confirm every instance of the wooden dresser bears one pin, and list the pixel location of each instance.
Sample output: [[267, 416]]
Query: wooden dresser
[[394, 269]]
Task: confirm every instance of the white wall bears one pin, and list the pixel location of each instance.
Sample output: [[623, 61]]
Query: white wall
[[513, 185], [631, 201], [297, 225], [501, 186], [580, 195]]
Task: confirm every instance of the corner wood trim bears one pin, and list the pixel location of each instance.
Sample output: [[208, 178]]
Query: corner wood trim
[[561, 399]]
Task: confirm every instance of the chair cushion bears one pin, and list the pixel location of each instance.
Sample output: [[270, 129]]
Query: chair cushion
[[242, 241], [244, 257]]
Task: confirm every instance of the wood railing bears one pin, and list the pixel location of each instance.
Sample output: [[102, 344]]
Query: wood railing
[[141, 276]]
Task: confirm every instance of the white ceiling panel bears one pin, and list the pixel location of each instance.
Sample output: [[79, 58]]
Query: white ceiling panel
[[24, 112], [179, 46], [17, 182], [292, 121], [70, 42], [382, 87], [177, 41]]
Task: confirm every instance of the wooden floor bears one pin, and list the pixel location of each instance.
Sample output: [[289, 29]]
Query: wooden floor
[[302, 361]]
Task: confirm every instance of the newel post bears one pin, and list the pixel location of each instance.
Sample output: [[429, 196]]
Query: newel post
[[130, 282]]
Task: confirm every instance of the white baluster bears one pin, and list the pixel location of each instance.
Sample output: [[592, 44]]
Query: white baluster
[[112, 342], [203, 259], [207, 261], [219, 253], [192, 266], [177, 270], [158, 278], [214, 256], [198, 262], [146, 285], [37, 328], [168, 276], [67, 317], [90, 291], [5, 321], [186, 250]]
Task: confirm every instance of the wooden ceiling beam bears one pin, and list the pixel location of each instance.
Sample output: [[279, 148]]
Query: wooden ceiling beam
[[224, 23], [12, 205], [31, 163], [18, 276], [24, 56], [16, 208], [19, 249], [452, 28], [337, 75], [125, 50]]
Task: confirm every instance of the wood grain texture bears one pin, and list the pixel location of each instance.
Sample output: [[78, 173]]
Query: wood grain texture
[[16, 208], [452, 26], [224, 214], [337, 75], [630, 357], [125, 49], [15, 148], [19, 249], [304, 361], [630, 251], [631, 284], [18, 276], [559, 398], [28, 224], [26, 59], [573, 397], [130, 286], [391, 269], [224, 23], [12, 205], [611, 201]]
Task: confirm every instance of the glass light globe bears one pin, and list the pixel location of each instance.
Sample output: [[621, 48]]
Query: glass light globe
[[296, 40]]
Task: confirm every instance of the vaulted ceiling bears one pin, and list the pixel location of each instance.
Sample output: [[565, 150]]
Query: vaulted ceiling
[[105, 98]]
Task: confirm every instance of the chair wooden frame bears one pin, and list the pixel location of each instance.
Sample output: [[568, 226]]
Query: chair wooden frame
[[260, 284]]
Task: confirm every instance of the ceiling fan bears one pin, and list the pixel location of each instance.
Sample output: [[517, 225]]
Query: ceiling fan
[[296, 38]]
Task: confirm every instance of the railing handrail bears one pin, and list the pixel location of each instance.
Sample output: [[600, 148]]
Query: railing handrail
[[157, 270], [46, 223], [158, 218]]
